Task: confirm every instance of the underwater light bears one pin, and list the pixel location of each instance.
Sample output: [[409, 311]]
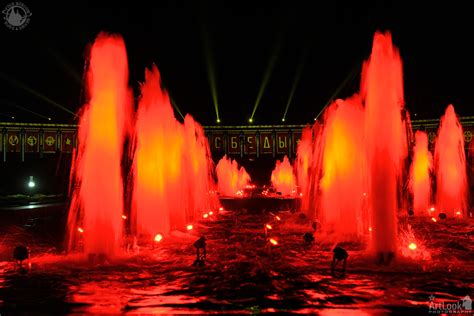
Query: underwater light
[[158, 237]]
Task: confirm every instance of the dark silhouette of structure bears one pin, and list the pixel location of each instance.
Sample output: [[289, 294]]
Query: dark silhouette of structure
[[385, 258], [308, 238], [20, 254], [200, 246], [339, 254]]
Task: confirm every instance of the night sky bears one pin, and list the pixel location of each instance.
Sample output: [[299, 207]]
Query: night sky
[[329, 41]]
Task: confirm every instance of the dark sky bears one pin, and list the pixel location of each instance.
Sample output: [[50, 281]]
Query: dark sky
[[330, 40]]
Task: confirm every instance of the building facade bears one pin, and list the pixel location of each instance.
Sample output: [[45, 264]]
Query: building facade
[[34, 139]]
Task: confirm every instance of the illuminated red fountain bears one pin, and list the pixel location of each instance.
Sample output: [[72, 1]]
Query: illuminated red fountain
[[172, 166], [354, 162], [95, 220], [343, 183], [450, 166], [308, 169], [420, 174], [230, 178], [303, 164], [385, 140], [283, 177]]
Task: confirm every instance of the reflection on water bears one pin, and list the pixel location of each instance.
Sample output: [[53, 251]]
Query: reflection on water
[[243, 274]]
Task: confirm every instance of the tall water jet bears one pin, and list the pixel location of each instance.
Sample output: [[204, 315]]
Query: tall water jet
[[385, 137], [172, 167], [450, 165], [420, 174], [201, 188], [303, 165], [343, 183], [308, 169], [96, 179], [230, 178], [283, 177]]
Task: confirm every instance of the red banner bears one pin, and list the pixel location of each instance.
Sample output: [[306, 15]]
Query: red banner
[[217, 142], [13, 141], [31, 141], [266, 143], [49, 142], [282, 143], [234, 144], [67, 141], [250, 143]]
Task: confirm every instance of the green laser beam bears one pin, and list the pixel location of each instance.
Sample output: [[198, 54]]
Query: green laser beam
[[23, 108], [67, 67], [23, 86], [266, 78], [210, 69], [299, 71], [175, 106], [349, 77]]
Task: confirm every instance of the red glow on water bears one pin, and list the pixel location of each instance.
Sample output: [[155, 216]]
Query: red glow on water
[[273, 241], [158, 237], [97, 202], [385, 137], [450, 164], [189, 227], [412, 245], [283, 177], [420, 181], [231, 179]]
